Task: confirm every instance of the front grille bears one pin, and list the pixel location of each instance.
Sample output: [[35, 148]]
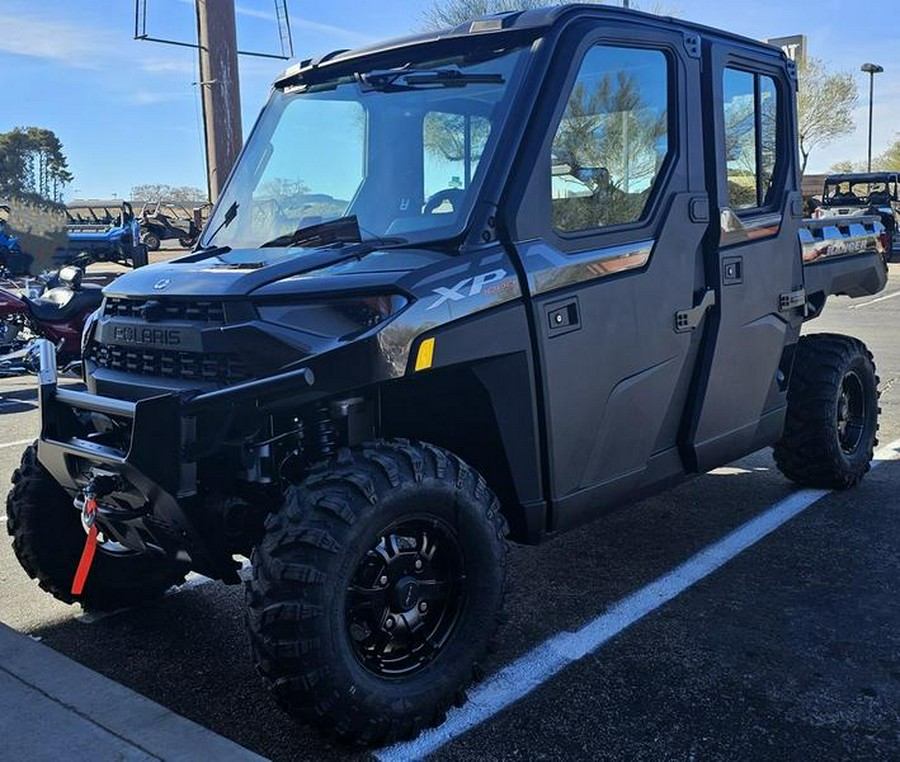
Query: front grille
[[158, 310], [221, 368]]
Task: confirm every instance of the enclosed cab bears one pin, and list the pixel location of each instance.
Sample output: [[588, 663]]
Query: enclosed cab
[[497, 279], [872, 193]]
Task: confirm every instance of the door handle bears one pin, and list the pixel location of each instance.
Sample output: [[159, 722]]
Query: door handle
[[732, 271], [563, 317], [688, 320]]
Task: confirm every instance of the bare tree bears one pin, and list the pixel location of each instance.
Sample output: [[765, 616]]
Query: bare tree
[[825, 104], [161, 192], [846, 167], [448, 13]]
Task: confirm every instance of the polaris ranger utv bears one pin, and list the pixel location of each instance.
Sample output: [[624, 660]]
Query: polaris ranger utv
[[493, 280]]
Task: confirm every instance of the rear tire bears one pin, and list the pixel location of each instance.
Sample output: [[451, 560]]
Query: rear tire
[[338, 629], [832, 416], [151, 241], [48, 539]]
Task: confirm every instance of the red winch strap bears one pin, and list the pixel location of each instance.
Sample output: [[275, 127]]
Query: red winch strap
[[87, 555]]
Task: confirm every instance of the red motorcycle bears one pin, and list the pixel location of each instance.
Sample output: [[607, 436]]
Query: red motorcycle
[[58, 314]]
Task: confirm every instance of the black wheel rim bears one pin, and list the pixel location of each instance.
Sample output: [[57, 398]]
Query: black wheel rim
[[406, 597], [851, 412]]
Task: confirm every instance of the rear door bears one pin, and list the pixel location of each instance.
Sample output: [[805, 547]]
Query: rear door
[[753, 261], [609, 237]]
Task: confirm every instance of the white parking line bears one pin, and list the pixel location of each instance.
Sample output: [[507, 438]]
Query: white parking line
[[18, 443], [874, 301], [521, 677]]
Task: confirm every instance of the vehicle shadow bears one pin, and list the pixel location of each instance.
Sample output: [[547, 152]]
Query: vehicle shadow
[[24, 399], [18, 401]]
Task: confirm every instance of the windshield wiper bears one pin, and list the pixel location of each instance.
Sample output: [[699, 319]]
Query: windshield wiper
[[230, 213], [390, 81], [341, 230]]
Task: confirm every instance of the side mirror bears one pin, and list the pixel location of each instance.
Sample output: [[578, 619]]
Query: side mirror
[[71, 277]]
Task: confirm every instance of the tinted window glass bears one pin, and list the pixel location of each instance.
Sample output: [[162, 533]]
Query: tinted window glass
[[751, 138], [612, 139], [740, 139], [768, 110]]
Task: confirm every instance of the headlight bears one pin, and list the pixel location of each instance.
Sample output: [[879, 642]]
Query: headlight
[[335, 318]]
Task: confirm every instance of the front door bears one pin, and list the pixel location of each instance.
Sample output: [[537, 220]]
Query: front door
[[610, 243]]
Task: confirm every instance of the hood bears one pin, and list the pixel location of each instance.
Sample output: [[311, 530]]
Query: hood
[[241, 272]]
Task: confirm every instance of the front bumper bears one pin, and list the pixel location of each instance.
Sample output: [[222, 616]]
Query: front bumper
[[156, 471]]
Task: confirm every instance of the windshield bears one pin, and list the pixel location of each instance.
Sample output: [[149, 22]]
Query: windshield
[[401, 150], [851, 192]]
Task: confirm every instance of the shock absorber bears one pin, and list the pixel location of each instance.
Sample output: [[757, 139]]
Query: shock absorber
[[323, 433]]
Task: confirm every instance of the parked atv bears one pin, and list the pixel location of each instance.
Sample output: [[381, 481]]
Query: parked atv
[[106, 233], [527, 277], [160, 223], [865, 193]]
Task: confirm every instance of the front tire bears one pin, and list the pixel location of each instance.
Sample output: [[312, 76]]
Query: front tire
[[376, 589], [48, 539], [832, 416]]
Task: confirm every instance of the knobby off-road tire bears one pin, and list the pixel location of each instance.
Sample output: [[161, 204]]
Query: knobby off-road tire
[[365, 537], [48, 539], [832, 415], [151, 241]]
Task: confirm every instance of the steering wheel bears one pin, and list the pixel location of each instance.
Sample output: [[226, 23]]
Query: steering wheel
[[453, 195]]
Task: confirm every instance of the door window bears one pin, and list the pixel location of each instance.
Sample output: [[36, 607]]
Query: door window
[[751, 138], [612, 140]]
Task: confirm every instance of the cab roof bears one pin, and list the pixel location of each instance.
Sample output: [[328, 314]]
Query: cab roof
[[862, 177], [509, 24]]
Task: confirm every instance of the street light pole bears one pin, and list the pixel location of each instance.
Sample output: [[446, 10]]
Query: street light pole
[[871, 69]]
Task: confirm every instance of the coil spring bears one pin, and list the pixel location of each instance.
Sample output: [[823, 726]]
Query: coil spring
[[324, 433]]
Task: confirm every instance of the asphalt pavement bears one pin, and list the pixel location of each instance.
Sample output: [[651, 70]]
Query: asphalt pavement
[[788, 648]]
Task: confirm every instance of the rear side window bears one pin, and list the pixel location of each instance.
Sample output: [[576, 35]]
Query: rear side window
[[751, 138], [612, 140]]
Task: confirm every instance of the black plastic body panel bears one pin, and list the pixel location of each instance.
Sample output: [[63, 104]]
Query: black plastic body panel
[[855, 276]]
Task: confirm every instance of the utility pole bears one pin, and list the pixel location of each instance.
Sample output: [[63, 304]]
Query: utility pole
[[219, 89]]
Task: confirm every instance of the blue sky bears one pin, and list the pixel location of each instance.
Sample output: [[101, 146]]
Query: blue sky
[[128, 112]]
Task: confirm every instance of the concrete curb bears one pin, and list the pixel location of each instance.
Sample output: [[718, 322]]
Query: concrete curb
[[54, 708]]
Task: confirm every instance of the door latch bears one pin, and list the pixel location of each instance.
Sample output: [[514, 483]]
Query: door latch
[[792, 300], [688, 320]]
